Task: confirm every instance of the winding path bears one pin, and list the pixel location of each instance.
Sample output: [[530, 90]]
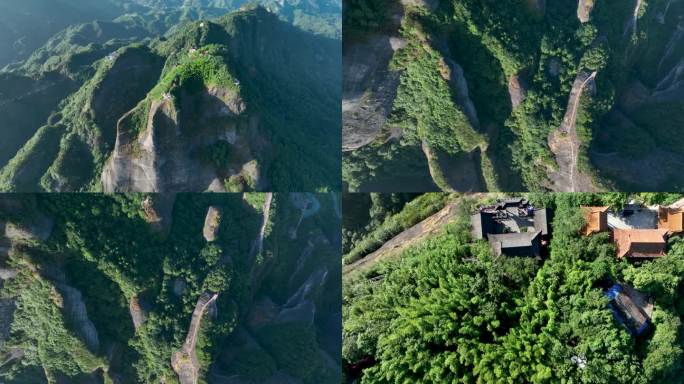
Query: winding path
[[632, 23], [259, 242], [430, 226], [184, 361], [565, 143]]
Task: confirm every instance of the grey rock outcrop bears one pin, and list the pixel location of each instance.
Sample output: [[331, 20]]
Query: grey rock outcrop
[[7, 273], [369, 89], [430, 5], [164, 155], [212, 222], [308, 204], [460, 86], [584, 8], [159, 211], [75, 311], [138, 312], [631, 25], [37, 228], [517, 89]]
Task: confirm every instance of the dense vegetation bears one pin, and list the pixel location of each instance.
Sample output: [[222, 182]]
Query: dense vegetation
[[543, 46], [102, 247], [447, 311]]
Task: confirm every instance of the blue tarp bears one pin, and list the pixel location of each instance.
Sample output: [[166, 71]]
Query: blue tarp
[[612, 293]]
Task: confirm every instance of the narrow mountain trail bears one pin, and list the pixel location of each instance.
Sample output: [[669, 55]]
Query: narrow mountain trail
[[565, 144], [661, 16], [632, 23], [184, 361], [428, 227], [259, 242], [672, 44]]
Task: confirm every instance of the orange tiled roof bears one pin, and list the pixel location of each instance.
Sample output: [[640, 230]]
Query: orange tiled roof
[[671, 219], [596, 219], [640, 242]]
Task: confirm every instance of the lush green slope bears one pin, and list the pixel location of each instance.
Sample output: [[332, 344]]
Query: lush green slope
[[536, 49], [105, 248]]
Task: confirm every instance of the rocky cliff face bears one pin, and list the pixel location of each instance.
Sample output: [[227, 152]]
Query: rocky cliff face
[[75, 310], [369, 85], [369, 90], [165, 154], [305, 285], [584, 8]]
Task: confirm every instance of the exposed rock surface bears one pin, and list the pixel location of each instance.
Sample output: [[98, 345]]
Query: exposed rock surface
[[584, 8], [212, 222], [368, 90], [517, 89], [663, 14], [36, 228], [7, 273], [459, 173], [75, 310], [634, 96], [631, 26], [308, 204], [460, 85], [554, 66], [369, 86], [266, 209], [671, 87], [300, 307], [159, 211], [72, 305], [302, 261], [430, 5], [179, 287], [165, 155], [673, 45], [138, 313], [565, 144]]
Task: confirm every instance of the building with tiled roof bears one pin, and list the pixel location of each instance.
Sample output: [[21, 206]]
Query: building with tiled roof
[[640, 243], [597, 220], [516, 244], [671, 219]]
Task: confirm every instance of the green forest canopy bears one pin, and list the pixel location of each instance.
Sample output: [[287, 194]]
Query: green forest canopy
[[450, 312]]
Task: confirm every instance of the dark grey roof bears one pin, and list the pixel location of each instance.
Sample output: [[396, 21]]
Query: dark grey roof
[[541, 220], [482, 224], [515, 201], [476, 225], [500, 242]]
